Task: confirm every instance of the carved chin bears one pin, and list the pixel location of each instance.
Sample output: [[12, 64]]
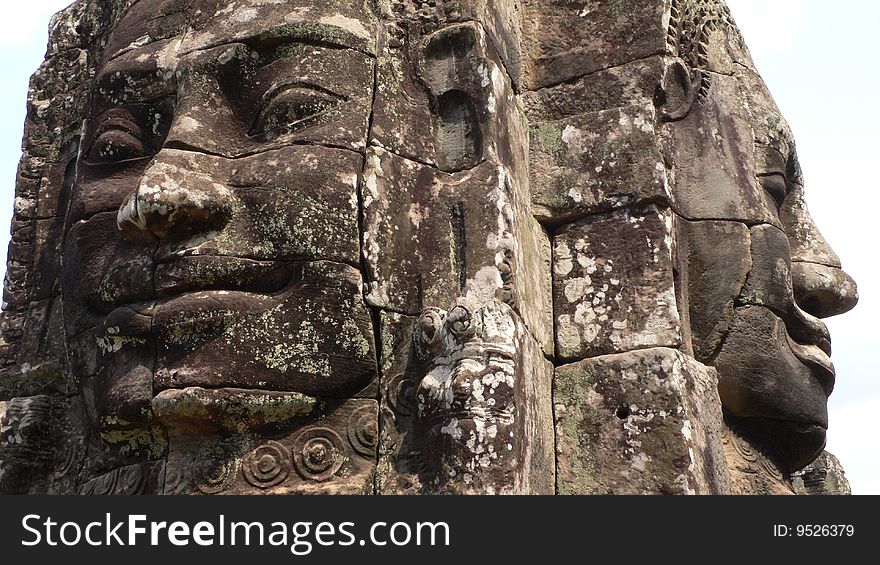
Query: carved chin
[[772, 391], [793, 445]]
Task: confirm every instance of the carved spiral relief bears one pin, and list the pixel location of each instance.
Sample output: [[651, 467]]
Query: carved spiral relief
[[218, 477], [174, 479], [362, 431], [318, 453], [401, 395], [744, 449], [462, 322], [267, 465], [132, 480]]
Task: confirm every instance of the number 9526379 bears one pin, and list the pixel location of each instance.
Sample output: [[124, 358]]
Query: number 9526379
[[824, 530]]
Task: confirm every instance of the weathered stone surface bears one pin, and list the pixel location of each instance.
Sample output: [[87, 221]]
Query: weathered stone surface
[[613, 284], [781, 387], [629, 85], [643, 422], [335, 22], [714, 260], [46, 378], [137, 479], [313, 337], [715, 176], [467, 406], [807, 243], [732, 157], [230, 410], [102, 271], [400, 450], [824, 476], [753, 469], [567, 40], [769, 283], [484, 403], [823, 290], [411, 210], [596, 161], [402, 119], [446, 99], [500, 20], [42, 445]]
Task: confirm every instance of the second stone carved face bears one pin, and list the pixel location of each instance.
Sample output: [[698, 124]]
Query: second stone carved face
[[756, 273]]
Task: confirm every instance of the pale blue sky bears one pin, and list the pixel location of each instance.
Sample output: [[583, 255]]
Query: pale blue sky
[[820, 60]]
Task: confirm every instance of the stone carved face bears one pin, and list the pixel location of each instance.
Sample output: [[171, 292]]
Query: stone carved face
[[467, 397], [213, 237], [757, 273]]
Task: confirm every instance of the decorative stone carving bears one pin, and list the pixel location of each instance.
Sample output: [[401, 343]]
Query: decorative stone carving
[[824, 476], [752, 469], [144, 478], [267, 465], [483, 403]]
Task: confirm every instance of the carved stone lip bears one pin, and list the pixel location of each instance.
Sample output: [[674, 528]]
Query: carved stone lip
[[205, 307], [230, 409], [794, 444], [187, 309], [194, 273], [214, 274], [818, 362]]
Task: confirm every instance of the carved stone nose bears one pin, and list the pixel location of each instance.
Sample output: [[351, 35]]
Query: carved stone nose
[[175, 203], [823, 291]]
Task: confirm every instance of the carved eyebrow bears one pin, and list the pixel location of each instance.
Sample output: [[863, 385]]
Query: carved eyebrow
[[108, 77], [121, 82], [283, 86], [309, 33]]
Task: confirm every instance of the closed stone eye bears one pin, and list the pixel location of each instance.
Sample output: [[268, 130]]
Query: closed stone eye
[[775, 185], [128, 133], [290, 108], [117, 138], [115, 145]]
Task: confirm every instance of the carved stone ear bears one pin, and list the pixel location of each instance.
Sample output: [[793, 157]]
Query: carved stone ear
[[452, 70], [680, 87]]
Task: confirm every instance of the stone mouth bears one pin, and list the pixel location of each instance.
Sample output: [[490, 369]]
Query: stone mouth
[[230, 410], [817, 360], [185, 275], [194, 273]]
